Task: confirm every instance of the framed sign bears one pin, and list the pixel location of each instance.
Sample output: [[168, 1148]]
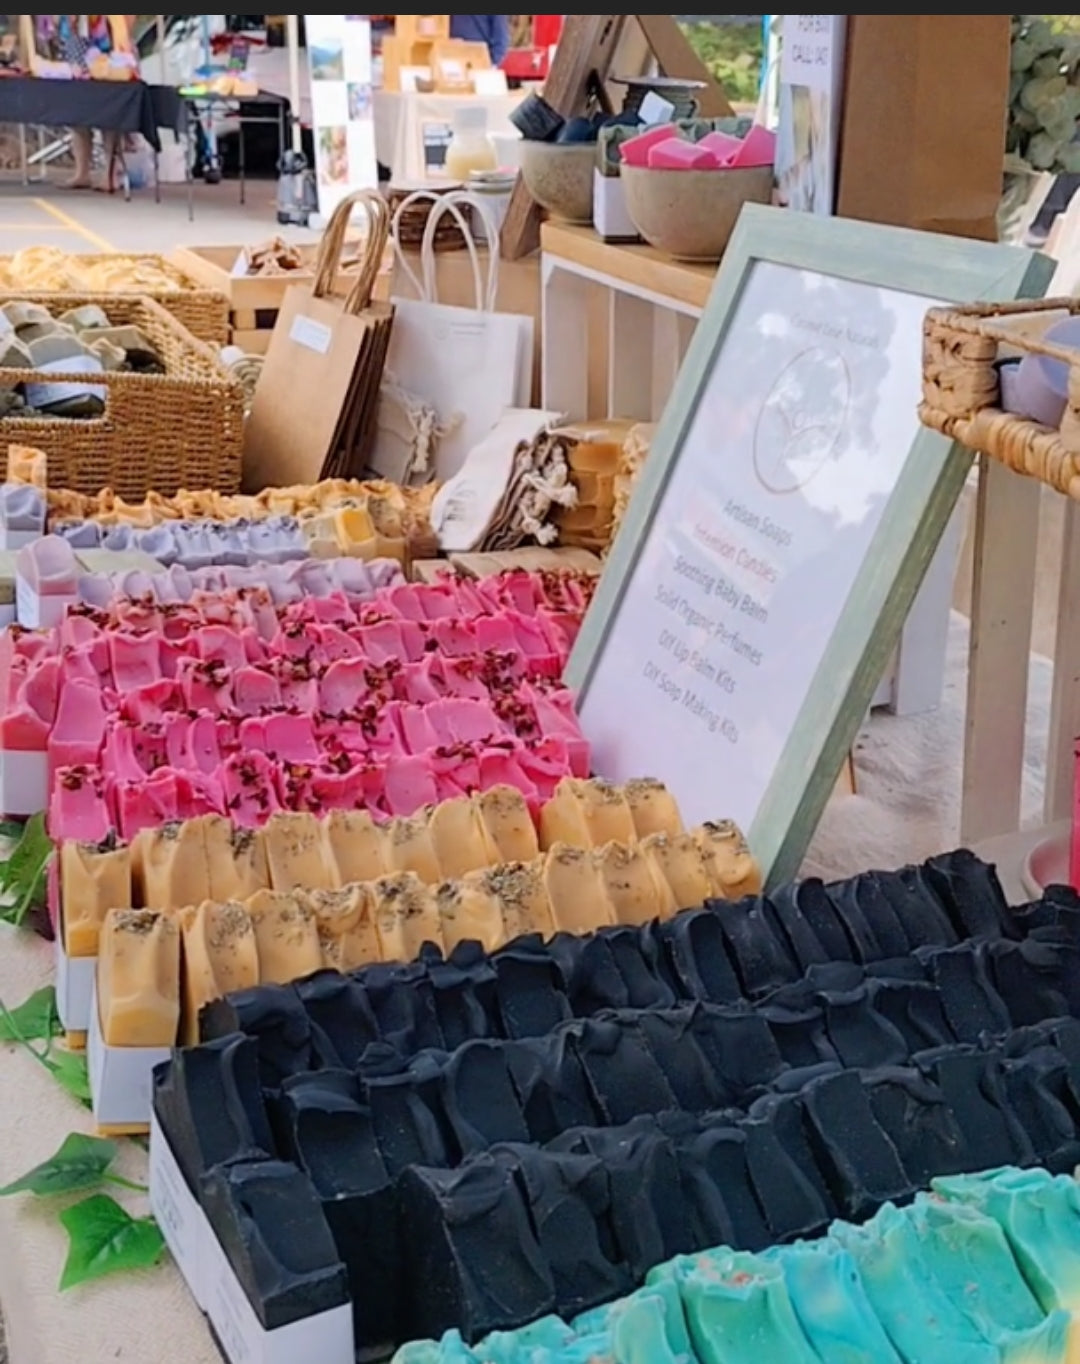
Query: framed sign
[[340, 64], [783, 523]]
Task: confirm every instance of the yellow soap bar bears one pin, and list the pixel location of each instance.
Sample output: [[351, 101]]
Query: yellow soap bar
[[522, 894], [634, 885], [579, 899], [469, 912], [586, 814], [507, 825], [138, 979], [732, 870], [596, 447], [458, 838], [354, 529], [170, 866], [297, 852], [358, 848], [346, 924], [287, 937], [410, 848], [94, 878], [221, 956], [236, 859], [406, 916], [653, 808], [682, 865], [27, 465]]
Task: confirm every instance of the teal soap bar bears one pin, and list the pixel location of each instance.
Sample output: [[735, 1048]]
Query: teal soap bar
[[743, 1314], [832, 1305]]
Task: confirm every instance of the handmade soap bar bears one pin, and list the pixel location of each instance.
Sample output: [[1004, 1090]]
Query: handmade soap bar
[[296, 852], [458, 838], [47, 577], [170, 866], [236, 859], [469, 911], [677, 154], [275, 1017], [411, 848], [287, 937], [22, 515], [733, 871], [346, 925], [220, 957], [635, 151], [634, 885], [575, 887], [357, 849], [653, 808], [586, 814], [94, 878], [682, 865], [508, 825], [521, 890], [406, 917], [138, 980], [269, 1221]]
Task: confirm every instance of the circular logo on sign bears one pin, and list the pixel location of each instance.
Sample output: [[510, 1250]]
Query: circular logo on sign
[[801, 420]]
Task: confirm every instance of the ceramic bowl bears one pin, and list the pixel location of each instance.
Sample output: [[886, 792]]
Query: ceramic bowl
[[691, 214], [559, 176]]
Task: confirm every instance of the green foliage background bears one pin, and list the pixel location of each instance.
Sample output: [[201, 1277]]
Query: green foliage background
[[733, 53]]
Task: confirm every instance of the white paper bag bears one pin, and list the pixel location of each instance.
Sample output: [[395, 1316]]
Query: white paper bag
[[451, 372]]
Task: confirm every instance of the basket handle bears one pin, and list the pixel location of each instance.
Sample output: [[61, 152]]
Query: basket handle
[[332, 245], [978, 320]]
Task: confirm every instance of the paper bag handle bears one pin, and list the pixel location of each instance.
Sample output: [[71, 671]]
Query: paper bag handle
[[332, 247], [426, 288]]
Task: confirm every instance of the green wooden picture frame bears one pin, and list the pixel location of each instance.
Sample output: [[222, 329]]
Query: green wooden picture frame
[[842, 690]]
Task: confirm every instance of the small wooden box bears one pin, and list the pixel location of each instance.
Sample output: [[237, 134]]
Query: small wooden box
[[421, 28]]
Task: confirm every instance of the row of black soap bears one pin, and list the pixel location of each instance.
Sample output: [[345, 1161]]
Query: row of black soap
[[308, 1209]]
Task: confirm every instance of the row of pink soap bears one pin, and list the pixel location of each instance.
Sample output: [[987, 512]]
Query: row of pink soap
[[666, 147], [87, 805]]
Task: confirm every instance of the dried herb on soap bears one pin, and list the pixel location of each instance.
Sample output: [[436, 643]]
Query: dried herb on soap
[[105, 1240]]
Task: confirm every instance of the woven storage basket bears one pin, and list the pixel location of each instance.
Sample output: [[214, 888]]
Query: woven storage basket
[[203, 311], [962, 391], [160, 432]]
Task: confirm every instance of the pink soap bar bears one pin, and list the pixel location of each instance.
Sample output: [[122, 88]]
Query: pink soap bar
[[496, 633], [79, 730], [455, 638], [335, 643], [383, 643], [49, 567], [291, 739], [418, 732], [255, 691], [191, 743], [460, 677], [410, 786], [147, 705], [250, 783], [518, 592], [41, 690], [135, 661], [500, 767], [22, 730], [78, 810], [220, 644], [457, 771], [724, 146], [676, 154], [635, 150], [131, 753], [359, 788], [299, 690], [758, 149], [545, 765], [418, 684]]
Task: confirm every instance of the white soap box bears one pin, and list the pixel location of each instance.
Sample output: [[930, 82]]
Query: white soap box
[[74, 987], [209, 1276], [121, 1078], [24, 783]]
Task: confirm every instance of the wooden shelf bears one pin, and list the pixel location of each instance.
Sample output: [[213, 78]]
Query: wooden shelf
[[639, 267]]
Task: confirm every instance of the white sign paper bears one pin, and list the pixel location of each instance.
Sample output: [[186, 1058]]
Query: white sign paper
[[773, 502], [812, 49], [808, 52], [339, 58]]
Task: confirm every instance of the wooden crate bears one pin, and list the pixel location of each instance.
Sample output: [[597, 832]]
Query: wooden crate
[[254, 303]]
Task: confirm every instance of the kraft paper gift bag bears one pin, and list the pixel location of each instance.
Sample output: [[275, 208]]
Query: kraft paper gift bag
[[451, 372], [315, 403], [923, 133]]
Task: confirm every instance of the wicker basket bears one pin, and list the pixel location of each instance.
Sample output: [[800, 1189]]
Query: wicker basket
[[962, 391], [160, 432], [203, 311]]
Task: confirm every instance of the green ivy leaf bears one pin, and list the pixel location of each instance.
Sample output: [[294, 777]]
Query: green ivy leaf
[[104, 1239], [35, 1021], [70, 1072], [79, 1164], [23, 874]]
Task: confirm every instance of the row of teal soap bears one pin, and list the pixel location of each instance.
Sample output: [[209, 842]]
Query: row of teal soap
[[983, 1270]]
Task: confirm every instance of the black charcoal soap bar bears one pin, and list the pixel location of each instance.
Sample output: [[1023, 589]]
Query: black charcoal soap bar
[[269, 1222], [404, 1005], [915, 1010], [458, 1006], [472, 1261], [274, 1016], [860, 1163], [913, 1114], [788, 923], [699, 957], [863, 900], [1036, 1088], [330, 1133], [1031, 977], [646, 988], [569, 1197], [340, 1010], [720, 1192], [972, 1005], [670, 1038], [809, 901], [479, 1098], [974, 1090], [551, 1085], [780, 1120], [861, 1037], [740, 1049], [863, 946], [530, 990], [971, 893], [595, 983], [800, 1033], [406, 1129], [762, 962], [211, 1108], [625, 1078]]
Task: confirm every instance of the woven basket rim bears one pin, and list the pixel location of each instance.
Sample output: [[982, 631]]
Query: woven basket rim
[[159, 259]]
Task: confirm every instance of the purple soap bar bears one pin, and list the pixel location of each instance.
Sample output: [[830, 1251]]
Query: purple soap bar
[[22, 508]]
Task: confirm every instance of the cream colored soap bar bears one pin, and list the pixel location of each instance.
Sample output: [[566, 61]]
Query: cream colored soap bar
[[297, 852], [346, 925], [94, 878], [138, 979], [410, 848], [470, 912], [579, 899], [522, 894], [236, 859], [634, 885], [682, 865], [406, 916], [458, 838], [508, 826], [220, 957], [653, 808], [586, 814], [358, 847], [287, 938], [170, 866], [732, 870]]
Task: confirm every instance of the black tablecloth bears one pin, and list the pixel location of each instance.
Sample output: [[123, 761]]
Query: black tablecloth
[[115, 106]]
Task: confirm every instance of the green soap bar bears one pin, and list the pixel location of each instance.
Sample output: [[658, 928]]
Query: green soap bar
[[110, 561], [831, 1304], [55, 349], [651, 1328], [86, 317], [515, 1347], [743, 1314], [923, 1324]]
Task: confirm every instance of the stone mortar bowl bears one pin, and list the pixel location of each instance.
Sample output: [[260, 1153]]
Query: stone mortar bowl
[[559, 176], [691, 214]]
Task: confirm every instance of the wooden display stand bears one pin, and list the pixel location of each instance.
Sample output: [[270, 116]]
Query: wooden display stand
[[413, 43]]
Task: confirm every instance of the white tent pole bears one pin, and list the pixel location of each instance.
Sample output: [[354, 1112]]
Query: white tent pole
[[293, 31], [160, 20]]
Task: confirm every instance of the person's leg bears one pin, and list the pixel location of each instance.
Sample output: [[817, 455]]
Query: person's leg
[[82, 147], [111, 143]]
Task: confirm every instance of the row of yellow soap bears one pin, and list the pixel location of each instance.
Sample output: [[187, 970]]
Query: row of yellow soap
[[210, 859], [157, 970]]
